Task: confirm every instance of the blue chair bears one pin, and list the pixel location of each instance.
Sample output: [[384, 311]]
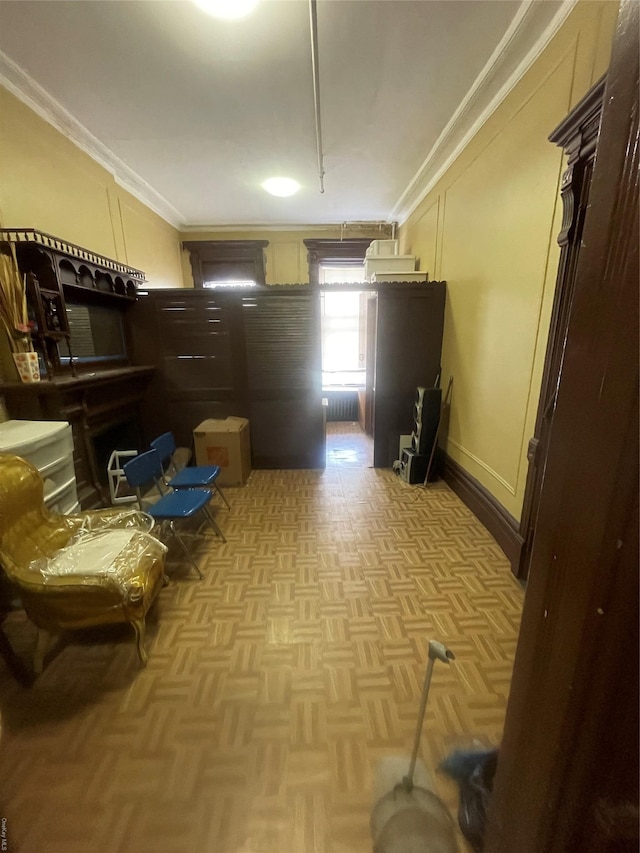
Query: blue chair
[[193, 477], [146, 470]]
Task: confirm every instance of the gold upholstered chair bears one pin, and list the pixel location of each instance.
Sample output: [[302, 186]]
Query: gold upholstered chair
[[75, 571]]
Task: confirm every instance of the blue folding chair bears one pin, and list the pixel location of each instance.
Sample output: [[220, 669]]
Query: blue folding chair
[[193, 477], [146, 470]]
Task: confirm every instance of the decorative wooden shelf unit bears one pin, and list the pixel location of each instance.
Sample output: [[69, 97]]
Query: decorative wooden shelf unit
[[58, 271], [72, 265]]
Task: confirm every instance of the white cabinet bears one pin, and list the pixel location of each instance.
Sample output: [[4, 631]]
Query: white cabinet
[[48, 445]]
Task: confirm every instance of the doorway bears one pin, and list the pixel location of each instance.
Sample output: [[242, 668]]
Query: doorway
[[343, 328], [345, 353]]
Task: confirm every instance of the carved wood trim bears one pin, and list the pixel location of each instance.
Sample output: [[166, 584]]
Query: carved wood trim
[[64, 247], [240, 252], [344, 252], [578, 135]]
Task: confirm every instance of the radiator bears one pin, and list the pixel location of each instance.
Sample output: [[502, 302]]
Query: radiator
[[342, 406]]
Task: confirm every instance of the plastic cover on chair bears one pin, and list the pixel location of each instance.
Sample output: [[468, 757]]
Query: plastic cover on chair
[[104, 556]]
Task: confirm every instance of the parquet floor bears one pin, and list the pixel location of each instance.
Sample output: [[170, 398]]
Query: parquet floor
[[274, 685]]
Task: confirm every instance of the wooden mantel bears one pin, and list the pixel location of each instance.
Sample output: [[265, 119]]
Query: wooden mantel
[[65, 381], [93, 403]]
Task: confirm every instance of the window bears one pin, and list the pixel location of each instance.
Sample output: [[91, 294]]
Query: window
[[334, 253], [343, 327], [227, 263], [229, 282], [343, 313], [330, 274]]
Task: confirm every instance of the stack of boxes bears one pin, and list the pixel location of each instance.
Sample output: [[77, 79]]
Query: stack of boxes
[[383, 263], [48, 446]]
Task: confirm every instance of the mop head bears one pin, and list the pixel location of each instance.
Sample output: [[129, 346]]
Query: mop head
[[409, 818]]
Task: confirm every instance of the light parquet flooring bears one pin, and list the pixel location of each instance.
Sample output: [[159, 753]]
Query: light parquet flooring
[[275, 685]]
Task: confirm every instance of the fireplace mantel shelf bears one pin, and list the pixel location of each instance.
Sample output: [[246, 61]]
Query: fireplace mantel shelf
[[100, 405], [68, 382]]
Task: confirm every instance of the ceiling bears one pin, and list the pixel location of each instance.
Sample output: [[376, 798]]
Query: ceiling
[[192, 113]]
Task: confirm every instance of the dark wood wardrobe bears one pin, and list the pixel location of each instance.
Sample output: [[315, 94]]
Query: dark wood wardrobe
[[256, 353]]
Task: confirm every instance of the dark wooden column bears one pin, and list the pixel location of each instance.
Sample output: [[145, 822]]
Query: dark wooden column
[[410, 320], [578, 135], [567, 779]]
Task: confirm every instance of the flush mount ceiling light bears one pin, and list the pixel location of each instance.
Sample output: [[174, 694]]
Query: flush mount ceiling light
[[281, 186], [227, 9]]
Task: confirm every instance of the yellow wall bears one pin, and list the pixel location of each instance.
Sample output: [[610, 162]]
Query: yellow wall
[[489, 229], [47, 183], [286, 254]]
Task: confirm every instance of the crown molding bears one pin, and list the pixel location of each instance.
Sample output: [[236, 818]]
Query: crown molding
[[488, 91], [25, 88]]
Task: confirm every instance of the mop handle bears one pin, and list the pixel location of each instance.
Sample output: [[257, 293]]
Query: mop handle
[[437, 651]]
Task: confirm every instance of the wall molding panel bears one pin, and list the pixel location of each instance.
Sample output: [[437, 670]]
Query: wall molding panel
[[511, 489]]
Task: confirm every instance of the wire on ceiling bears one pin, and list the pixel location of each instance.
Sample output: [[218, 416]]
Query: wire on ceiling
[[313, 21]]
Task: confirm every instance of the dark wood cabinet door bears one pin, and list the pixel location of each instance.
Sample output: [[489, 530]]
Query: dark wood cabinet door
[[282, 342], [408, 348], [194, 339], [221, 353], [258, 355]]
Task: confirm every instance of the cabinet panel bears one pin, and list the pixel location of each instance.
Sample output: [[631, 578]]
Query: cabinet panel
[[229, 353], [257, 355], [195, 341], [281, 341], [408, 347], [282, 337]]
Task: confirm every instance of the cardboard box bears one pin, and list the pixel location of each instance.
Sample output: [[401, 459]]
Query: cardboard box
[[225, 443]]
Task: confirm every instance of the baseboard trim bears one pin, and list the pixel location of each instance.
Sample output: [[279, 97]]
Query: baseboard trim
[[501, 524]]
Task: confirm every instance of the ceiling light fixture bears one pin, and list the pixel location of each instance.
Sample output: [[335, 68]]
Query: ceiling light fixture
[[281, 186], [227, 9]]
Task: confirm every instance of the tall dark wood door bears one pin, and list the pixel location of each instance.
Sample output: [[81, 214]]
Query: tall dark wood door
[[408, 348], [221, 353], [567, 779], [578, 135], [284, 377], [194, 339]]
